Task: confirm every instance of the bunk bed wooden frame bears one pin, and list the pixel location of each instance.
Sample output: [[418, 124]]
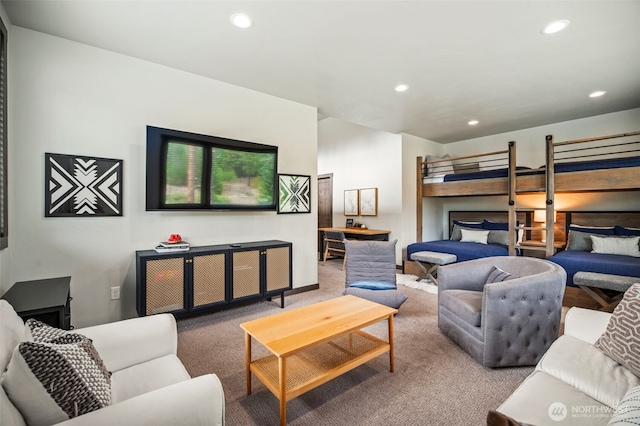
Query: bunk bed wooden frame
[[527, 181]]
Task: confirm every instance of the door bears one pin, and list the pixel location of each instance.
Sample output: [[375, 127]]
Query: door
[[209, 279], [278, 268], [246, 273], [164, 285], [325, 205], [325, 201]]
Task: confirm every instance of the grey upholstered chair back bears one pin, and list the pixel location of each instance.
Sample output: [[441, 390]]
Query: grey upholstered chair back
[[370, 260], [334, 239], [519, 318]]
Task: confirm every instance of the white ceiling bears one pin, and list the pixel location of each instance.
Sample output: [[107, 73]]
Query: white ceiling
[[463, 60]]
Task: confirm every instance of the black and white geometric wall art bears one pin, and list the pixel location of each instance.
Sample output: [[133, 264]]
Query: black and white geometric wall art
[[294, 193], [82, 186]]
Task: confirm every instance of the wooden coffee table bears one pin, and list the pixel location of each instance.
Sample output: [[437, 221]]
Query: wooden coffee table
[[314, 344]]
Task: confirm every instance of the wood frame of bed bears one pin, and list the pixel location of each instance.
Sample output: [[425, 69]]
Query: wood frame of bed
[[523, 182]]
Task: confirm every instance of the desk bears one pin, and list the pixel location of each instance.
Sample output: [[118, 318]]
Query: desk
[[45, 300], [353, 234]]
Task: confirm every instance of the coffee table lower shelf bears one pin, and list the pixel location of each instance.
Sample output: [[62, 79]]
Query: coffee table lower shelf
[[311, 367]]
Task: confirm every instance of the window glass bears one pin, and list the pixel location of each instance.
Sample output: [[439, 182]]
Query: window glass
[[183, 174], [241, 178]]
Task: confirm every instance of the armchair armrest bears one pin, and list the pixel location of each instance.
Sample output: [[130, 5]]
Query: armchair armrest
[[199, 401], [125, 343], [586, 324], [521, 318]]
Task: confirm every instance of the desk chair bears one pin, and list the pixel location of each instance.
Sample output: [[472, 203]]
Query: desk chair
[[334, 245]]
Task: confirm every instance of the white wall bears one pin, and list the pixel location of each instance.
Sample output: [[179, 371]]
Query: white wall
[[412, 147], [70, 98], [361, 157]]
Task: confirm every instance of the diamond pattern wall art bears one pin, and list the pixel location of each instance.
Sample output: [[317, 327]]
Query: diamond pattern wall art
[[82, 186], [294, 194]]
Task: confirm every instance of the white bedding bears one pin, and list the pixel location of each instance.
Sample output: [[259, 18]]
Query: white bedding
[[433, 179]]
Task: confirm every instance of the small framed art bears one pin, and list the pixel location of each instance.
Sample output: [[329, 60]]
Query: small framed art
[[294, 194], [351, 202], [369, 202]]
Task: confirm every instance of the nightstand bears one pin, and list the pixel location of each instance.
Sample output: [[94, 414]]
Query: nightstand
[[45, 300]]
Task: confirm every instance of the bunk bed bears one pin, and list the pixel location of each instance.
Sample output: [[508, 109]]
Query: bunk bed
[[576, 166], [605, 163]]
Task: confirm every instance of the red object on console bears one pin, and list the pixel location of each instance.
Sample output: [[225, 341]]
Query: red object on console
[[174, 238]]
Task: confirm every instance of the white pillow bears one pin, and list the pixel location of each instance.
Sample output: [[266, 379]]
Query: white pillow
[[474, 236], [627, 246], [440, 168]]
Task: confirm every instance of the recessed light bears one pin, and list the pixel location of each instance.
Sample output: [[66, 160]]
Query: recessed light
[[597, 93], [473, 122], [555, 26], [401, 88], [241, 20]]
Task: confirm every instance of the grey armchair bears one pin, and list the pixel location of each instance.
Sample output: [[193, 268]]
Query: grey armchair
[[509, 322]]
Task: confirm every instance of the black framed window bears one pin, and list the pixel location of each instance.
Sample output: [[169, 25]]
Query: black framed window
[[4, 215]]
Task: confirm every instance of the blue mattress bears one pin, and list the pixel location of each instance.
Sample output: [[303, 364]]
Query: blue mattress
[[485, 174], [572, 166], [609, 163], [573, 261], [464, 251]]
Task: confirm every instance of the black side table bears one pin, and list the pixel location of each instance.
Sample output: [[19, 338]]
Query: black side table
[[45, 300]]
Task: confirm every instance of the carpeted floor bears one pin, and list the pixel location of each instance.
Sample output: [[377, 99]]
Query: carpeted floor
[[434, 383]]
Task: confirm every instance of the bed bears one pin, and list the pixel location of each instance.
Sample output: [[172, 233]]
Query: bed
[[578, 256], [496, 222], [604, 163]]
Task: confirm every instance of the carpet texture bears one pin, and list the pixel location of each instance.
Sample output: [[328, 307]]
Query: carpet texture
[[434, 383], [413, 281]]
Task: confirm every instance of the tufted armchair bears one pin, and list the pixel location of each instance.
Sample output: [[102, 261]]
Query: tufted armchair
[[501, 317]]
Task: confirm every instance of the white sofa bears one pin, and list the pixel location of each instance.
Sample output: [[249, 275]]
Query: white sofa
[[573, 376], [149, 384]]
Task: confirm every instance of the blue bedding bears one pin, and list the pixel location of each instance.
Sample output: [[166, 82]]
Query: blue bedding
[[463, 250], [485, 174], [574, 260], [607, 163], [572, 166]]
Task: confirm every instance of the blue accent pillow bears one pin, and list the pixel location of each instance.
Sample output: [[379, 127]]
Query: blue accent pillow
[[620, 230], [373, 285], [495, 226]]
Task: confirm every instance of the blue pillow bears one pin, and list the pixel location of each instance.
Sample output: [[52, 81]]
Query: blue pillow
[[620, 230], [495, 226], [373, 285], [590, 230]]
